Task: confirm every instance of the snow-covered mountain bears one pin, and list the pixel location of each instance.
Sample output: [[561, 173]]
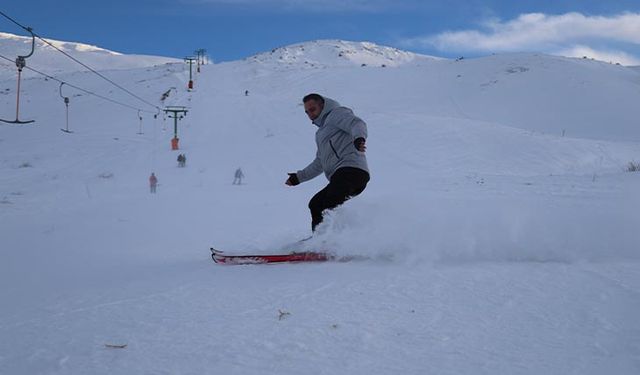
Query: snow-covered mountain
[[500, 219], [47, 60], [335, 53]]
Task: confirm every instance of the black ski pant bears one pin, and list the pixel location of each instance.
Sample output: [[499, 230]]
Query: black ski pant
[[345, 183]]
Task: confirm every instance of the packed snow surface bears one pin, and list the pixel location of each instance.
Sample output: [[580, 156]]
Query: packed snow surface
[[499, 224]]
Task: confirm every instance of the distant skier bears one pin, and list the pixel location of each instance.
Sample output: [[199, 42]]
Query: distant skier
[[246, 92], [182, 160], [340, 140], [237, 180], [153, 182]]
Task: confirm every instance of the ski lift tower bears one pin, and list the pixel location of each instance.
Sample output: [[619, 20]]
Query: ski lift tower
[[200, 53], [178, 112], [190, 60], [21, 63], [66, 103]]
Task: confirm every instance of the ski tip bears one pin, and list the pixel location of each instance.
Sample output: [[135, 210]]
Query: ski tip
[[215, 254]]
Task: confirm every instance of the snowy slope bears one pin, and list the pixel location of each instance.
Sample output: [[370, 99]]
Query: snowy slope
[[500, 245], [47, 60]]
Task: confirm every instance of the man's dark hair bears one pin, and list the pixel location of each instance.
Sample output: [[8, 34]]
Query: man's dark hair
[[315, 97]]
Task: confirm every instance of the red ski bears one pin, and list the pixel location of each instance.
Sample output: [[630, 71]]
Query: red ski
[[295, 257]]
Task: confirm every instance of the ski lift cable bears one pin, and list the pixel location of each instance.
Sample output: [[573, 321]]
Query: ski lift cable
[[77, 61], [80, 88]]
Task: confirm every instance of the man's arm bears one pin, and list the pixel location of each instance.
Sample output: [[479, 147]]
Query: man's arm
[[311, 171]]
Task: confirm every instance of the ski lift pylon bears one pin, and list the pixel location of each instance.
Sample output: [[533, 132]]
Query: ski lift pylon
[[66, 103], [140, 132], [21, 62]]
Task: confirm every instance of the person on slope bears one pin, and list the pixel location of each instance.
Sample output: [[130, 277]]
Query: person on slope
[[340, 139], [237, 179], [153, 182]]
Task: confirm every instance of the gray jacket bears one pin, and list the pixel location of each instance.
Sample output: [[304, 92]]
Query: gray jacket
[[338, 128]]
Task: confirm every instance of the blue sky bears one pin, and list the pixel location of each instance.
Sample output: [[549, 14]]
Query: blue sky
[[234, 29]]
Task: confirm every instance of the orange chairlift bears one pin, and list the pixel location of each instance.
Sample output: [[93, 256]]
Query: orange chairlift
[[21, 62]]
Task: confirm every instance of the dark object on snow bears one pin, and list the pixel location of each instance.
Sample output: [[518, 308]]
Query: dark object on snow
[[112, 346]]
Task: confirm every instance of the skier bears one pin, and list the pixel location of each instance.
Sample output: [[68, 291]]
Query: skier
[[340, 138], [182, 160], [153, 182], [237, 180]]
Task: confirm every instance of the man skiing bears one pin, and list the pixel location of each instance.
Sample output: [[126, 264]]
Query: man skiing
[[340, 139]]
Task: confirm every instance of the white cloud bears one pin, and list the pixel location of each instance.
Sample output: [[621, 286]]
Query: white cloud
[[538, 30], [541, 32]]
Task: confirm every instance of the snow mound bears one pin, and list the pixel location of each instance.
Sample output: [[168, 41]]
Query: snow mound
[[330, 53], [65, 46], [48, 60]]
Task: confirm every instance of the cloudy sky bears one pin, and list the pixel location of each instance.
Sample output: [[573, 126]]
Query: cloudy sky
[[234, 29]]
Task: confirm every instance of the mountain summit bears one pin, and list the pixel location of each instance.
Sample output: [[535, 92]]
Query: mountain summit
[[327, 53]]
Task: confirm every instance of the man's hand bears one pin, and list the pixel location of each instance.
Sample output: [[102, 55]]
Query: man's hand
[[292, 180], [360, 144]]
